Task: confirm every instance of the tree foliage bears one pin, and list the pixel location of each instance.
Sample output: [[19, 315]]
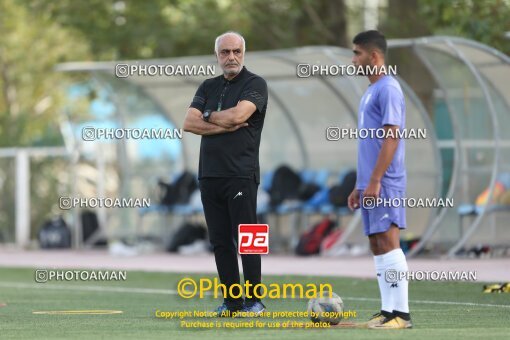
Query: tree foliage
[[35, 35]]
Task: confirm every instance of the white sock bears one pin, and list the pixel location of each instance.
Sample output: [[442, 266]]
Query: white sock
[[395, 260], [384, 289]]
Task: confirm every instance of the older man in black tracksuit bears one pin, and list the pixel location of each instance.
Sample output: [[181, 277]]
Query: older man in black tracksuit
[[228, 112]]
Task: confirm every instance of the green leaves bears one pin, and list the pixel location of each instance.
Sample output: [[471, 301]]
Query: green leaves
[[30, 47], [483, 21]]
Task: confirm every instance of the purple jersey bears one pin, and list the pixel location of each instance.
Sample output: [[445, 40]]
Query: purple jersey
[[382, 104]]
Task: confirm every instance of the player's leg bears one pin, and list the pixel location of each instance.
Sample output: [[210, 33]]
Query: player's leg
[[221, 237], [390, 260], [242, 203], [386, 308], [396, 290], [371, 232], [386, 305]]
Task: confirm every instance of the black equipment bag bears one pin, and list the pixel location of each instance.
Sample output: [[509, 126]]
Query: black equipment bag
[[179, 192], [54, 234], [285, 185], [187, 234], [339, 193]]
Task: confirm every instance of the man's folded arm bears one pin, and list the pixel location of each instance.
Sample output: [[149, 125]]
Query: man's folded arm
[[253, 98], [233, 116], [194, 123]]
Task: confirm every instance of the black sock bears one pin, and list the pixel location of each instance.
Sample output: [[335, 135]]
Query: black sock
[[386, 314], [402, 315]]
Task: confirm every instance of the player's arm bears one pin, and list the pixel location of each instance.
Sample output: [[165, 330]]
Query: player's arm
[[252, 99], [388, 149], [194, 123], [233, 116]]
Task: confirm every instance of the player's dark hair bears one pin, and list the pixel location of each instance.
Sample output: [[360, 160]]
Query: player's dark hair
[[371, 39]]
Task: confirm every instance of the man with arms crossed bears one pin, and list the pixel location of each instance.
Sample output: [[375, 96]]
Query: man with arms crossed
[[228, 111], [381, 173]]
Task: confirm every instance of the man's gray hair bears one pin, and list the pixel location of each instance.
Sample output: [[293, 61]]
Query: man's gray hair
[[217, 42]]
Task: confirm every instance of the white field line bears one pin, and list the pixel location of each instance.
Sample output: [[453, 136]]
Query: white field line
[[174, 292]]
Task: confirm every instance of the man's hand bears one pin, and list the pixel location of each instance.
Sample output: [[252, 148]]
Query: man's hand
[[353, 200], [233, 116], [373, 189]]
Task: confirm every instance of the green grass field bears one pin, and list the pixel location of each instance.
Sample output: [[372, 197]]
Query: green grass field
[[439, 310]]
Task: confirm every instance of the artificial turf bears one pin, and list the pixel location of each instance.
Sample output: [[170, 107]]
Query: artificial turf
[[439, 310]]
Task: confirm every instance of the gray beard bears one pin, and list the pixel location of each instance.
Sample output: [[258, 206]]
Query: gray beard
[[232, 73]]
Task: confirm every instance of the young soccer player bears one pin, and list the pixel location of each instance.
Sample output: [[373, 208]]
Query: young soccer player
[[381, 173]]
